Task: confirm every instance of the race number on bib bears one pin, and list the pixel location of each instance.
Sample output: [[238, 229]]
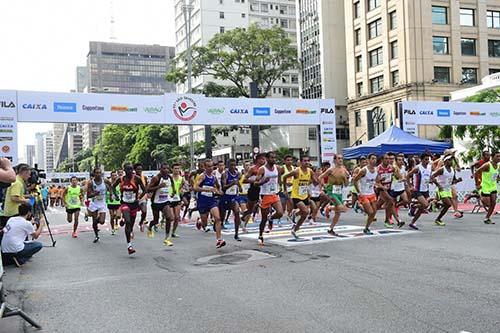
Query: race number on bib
[[129, 197], [337, 189], [207, 194], [303, 190], [233, 190]]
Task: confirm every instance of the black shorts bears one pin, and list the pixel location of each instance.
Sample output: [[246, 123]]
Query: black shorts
[[253, 193], [174, 204], [186, 196], [417, 194], [316, 199], [114, 207], [72, 210], [396, 194], [159, 206], [487, 195], [296, 202]]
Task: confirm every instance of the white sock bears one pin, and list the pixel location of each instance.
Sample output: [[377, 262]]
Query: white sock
[[129, 244]]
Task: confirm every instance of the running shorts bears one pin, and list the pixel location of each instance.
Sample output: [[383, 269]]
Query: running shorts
[[174, 204], [367, 198], [72, 210], [444, 194], [297, 201], [159, 206], [132, 208], [242, 199], [97, 207], [114, 207], [417, 194], [395, 194], [316, 199], [269, 200], [485, 194], [253, 193], [204, 206]]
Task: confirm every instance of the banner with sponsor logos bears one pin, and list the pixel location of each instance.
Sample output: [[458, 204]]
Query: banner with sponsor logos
[[8, 125], [448, 113], [328, 131]]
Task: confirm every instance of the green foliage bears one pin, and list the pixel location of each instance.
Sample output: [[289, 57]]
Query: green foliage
[[114, 145], [76, 163], [240, 56], [281, 152]]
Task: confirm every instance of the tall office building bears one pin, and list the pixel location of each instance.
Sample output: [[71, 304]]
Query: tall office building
[[48, 143], [62, 134], [322, 55], [414, 50], [29, 154], [211, 17], [40, 150]]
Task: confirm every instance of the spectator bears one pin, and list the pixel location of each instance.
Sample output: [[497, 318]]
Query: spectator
[[53, 192], [45, 196], [7, 173], [16, 194], [14, 247]]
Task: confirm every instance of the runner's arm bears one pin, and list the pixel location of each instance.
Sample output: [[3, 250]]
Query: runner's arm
[[154, 185], [261, 180], [248, 175], [113, 187], [438, 172], [478, 173], [197, 187], [138, 180], [90, 194], [361, 173], [64, 196]]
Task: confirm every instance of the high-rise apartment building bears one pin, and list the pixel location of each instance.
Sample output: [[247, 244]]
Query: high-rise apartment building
[[49, 151], [322, 55], [29, 153], [211, 17], [40, 150], [414, 50], [62, 134]]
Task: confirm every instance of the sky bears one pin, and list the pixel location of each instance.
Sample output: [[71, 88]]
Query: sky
[[42, 41]]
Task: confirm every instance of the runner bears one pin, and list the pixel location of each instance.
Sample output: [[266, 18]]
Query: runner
[[96, 192], [207, 187], [398, 188], [303, 177], [485, 157], [243, 196], [129, 188], [268, 178], [113, 203], [362, 162], [53, 196], [186, 195], [143, 201], [315, 196], [365, 182], [74, 201], [456, 166], [254, 189], [286, 188], [180, 187], [336, 178], [444, 178], [487, 184], [162, 188], [385, 170], [421, 177], [231, 188]]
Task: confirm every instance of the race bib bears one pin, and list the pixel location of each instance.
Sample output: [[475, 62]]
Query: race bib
[[74, 201], [98, 197], [207, 194], [245, 187], [337, 189], [289, 188], [129, 196], [233, 190], [303, 190], [315, 193], [272, 188]]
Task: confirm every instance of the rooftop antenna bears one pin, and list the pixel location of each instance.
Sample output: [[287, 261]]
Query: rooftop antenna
[[112, 36]]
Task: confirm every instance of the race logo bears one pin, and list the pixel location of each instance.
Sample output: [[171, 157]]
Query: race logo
[[5, 149], [185, 108]]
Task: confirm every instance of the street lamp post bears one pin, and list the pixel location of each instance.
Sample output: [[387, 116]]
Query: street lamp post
[[186, 10]]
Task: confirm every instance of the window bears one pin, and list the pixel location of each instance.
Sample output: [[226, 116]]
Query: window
[[357, 37], [312, 134], [393, 20], [394, 49], [439, 15], [372, 4], [376, 57], [440, 45], [264, 8], [467, 17], [359, 64], [375, 28], [222, 29], [377, 84], [493, 19], [494, 70], [442, 74], [342, 133], [284, 24], [494, 48], [359, 90], [468, 47], [469, 75], [243, 15], [357, 118], [379, 121], [283, 10], [357, 9], [394, 78], [221, 15]]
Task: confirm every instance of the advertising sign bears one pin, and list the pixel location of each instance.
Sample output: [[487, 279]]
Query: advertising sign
[[328, 131], [8, 125]]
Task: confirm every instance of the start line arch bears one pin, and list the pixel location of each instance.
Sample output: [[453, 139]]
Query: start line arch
[[168, 109], [448, 113]]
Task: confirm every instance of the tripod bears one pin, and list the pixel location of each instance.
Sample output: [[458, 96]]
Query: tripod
[[39, 208]]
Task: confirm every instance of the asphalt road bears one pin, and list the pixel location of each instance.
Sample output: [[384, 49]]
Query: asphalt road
[[439, 280]]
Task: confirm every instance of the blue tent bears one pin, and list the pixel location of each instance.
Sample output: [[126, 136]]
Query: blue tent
[[398, 141]]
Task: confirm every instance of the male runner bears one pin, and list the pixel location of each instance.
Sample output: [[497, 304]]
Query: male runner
[[315, 196], [268, 179], [143, 201], [398, 188], [385, 170], [180, 187], [186, 194], [207, 187], [421, 177], [336, 178], [487, 184], [244, 187], [254, 189], [365, 182], [73, 201], [113, 203], [444, 178], [485, 157], [162, 188], [303, 177], [231, 188], [362, 162], [286, 188], [96, 192], [129, 188]]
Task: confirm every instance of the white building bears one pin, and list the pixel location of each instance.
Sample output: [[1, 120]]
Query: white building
[[211, 17], [29, 153], [40, 150], [49, 151]]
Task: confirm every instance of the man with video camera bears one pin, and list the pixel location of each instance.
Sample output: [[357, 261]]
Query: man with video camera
[[16, 194]]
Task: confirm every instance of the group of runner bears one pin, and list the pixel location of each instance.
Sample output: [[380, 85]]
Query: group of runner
[[297, 192]]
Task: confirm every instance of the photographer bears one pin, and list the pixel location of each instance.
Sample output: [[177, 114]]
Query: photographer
[[14, 248], [15, 195]]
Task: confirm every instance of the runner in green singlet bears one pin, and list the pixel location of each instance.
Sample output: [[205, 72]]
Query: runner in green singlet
[[73, 200], [487, 178], [113, 203]]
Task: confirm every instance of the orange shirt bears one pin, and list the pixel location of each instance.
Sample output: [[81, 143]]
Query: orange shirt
[[53, 192]]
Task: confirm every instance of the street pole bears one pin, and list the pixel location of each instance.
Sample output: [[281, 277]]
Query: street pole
[[186, 10], [254, 93]]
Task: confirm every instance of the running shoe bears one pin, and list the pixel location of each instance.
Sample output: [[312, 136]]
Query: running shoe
[[261, 240], [458, 214], [141, 227], [130, 250], [206, 229], [73, 234], [488, 221], [388, 225], [168, 242], [112, 231], [237, 238], [96, 239], [367, 231], [440, 223], [294, 234], [17, 262], [400, 224], [220, 243], [150, 233], [122, 222], [412, 226], [174, 235], [331, 232]]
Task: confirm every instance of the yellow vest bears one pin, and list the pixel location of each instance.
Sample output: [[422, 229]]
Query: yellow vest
[[300, 185]]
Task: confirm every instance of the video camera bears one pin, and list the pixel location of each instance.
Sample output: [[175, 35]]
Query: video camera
[[36, 175]]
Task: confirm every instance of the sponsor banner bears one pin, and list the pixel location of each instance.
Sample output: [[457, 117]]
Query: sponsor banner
[[328, 130], [8, 125], [90, 108], [448, 113]]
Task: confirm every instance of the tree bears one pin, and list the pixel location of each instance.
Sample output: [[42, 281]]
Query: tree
[[114, 145], [240, 56], [281, 152], [481, 136], [74, 164]]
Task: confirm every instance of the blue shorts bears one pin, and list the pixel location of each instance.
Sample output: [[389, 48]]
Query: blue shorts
[[242, 198], [206, 204], [227, 201]]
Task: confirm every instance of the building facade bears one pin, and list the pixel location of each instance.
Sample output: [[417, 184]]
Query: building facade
[[40, 150], [414, 50], [30, 155], [49, 151], [211, 17]]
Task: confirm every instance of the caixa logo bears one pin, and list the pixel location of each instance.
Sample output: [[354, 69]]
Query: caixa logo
[[7, 105], [327, 110], [29, 106]]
